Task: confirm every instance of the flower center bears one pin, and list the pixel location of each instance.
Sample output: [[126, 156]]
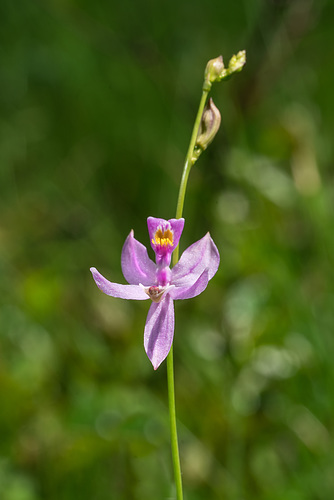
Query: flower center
[[155, 292], [163, 238]]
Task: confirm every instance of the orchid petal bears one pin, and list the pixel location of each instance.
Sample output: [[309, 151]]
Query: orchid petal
[[137, 267], [134, 292], [195, 259], [175, 225], [188, 292], [177, 228], [159, 330]]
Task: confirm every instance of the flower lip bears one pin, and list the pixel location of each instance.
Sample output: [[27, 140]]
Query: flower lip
[[164, 234], [163, 238]]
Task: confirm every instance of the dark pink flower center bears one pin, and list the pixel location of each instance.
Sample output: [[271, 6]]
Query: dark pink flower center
[[155, 292]]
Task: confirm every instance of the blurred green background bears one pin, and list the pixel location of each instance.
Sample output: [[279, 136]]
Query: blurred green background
[[97, 104]]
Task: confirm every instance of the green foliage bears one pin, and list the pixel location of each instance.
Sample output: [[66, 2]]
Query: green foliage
[[97, 104]]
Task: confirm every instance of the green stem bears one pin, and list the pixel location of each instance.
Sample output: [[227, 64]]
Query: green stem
[[173, 428], [189, 163], [170, 365]]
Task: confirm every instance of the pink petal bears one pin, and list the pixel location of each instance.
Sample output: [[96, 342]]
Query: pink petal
[[159, 330], [137, 267], [188, 292], [197, 258], [175, 225], [134, 292]]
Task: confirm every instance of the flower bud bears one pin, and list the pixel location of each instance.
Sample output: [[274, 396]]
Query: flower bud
[[215, 70], [209, 126], [237, 62]]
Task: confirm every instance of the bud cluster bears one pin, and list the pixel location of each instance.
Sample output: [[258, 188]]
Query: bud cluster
[[215, 70]]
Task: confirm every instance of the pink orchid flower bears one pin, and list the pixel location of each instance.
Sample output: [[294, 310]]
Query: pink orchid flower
[[156, 281]]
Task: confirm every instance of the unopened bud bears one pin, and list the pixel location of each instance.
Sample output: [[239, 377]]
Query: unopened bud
[[215, 70], [209, 126], [237, 62]]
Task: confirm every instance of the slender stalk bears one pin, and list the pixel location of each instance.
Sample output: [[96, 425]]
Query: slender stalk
[[170, 365], [189, 163], [173, 428], [214, 72]]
